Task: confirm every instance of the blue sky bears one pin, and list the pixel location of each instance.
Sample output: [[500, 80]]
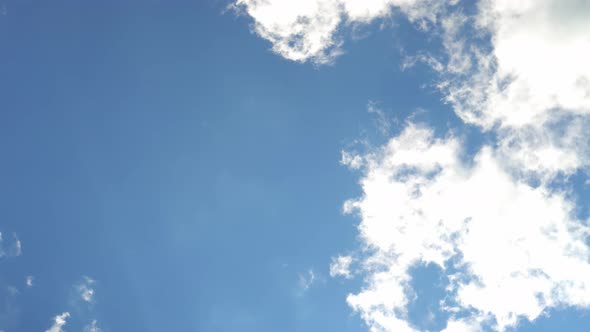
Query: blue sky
[[203, 165]]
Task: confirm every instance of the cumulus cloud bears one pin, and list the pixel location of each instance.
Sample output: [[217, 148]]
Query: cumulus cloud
[[298, 30], [518, 65], [305, 30], [59, 322], [539, 47], [529, 84], [517, 249]]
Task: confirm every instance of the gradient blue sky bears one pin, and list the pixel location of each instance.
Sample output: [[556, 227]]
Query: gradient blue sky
[[162, 150]]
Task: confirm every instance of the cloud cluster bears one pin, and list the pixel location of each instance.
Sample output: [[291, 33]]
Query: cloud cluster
[[305, 30], [508, 240], [510, 250], [83, 291]]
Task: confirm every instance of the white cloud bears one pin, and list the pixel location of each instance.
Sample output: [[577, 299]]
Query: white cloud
[[531, 84], [299, 30], [543, 47], [516, 69], [305, 30], [421, 204], [58, 322], [536, 62], [340, 267], [85, 289], [17, 250], [521, 249], [29, 281], [11, 247]]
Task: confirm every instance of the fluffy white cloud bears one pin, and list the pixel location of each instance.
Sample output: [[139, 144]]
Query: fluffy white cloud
[[298, 30], [59, 322], [531, 84], [304, 30], [541, 49], [518, 247]]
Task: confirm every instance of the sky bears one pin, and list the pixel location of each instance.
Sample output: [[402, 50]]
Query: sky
[[282, 165]]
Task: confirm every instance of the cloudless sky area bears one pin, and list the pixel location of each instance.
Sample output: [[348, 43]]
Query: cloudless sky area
[[163, 151]]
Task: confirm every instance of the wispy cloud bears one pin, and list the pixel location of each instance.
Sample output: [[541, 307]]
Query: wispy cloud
[[382, 120], [307, 279], [59, 322], [85, 290], [92, 327], [340, 267]]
